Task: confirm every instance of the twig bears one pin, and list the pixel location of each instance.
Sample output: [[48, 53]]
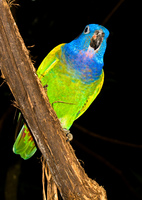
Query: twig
[[92, 134], [51, 191], [112, 12], [11, 3]]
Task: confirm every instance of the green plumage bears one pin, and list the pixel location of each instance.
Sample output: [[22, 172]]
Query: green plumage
[[68, 95], [72, 75]]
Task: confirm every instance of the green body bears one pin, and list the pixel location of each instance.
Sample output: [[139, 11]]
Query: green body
[[68, 95], [72, 75]]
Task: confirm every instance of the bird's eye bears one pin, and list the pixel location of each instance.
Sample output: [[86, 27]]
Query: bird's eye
[[86, 30]]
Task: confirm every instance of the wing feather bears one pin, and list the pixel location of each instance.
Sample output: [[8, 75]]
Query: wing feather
[[24, 144], [99, 84], [49, 62]]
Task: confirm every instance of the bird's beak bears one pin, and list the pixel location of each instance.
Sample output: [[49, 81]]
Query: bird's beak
[[97, 39]]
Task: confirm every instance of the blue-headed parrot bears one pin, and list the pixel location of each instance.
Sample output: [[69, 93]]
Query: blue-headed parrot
[[73, 75]]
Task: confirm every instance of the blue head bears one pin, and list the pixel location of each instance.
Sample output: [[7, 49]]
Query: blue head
[[85, 53]]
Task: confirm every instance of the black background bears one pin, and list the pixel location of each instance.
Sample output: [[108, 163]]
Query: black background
[[116, 113]]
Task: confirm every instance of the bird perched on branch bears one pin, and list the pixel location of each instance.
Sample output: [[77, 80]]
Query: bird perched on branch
[[72, 74]]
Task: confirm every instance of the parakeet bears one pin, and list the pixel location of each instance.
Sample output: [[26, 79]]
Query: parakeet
[[72, 74]]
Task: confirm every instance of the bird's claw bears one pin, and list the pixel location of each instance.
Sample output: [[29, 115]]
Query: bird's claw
[[68, 135]]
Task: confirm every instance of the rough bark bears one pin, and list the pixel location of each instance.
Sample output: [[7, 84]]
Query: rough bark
[[20, 75]]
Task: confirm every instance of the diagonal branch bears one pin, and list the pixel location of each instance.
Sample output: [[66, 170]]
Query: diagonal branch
[[20, 75], [111, 140], [112, 12]]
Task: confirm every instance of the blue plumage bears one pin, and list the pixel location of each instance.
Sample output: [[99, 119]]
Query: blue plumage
[[81, 53]]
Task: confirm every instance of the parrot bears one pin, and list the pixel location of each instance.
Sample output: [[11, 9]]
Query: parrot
[[73, 76]]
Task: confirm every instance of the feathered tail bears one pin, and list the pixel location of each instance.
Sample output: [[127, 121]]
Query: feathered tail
[[24, 144]]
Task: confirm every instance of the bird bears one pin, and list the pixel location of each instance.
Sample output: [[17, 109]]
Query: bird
[[72, 74]]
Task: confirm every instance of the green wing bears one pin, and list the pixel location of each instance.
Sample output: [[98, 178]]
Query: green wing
[[24, 144], [48, 63], [91, 98]]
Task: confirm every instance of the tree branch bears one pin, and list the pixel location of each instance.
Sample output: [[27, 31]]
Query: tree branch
[[111, 140], [20, 75]]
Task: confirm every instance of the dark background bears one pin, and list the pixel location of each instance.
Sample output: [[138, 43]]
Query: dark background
[[116, 113]]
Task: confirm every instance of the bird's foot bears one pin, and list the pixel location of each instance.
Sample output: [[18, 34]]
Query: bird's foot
[[68, 135], [45, 87]]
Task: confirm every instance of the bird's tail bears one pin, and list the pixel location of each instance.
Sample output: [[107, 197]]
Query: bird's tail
[[24, 144]]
